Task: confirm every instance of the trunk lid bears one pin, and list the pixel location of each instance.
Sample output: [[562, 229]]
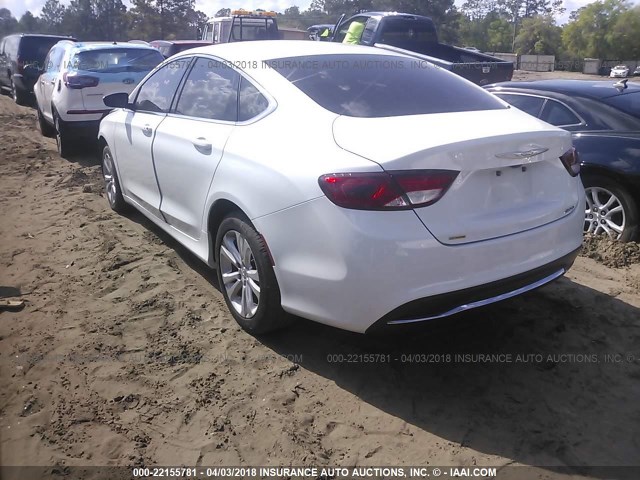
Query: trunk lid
[[511, 178]]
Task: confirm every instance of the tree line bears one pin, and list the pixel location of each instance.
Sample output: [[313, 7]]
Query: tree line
[[602, 29]]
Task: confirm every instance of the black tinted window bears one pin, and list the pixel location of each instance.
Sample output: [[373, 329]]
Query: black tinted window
[[251, 102], [381, 86], [526, 103], [156, 93], [211, 91], [557, 114]]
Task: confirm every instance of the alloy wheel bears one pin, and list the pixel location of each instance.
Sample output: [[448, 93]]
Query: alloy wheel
[[109, 177], [240, 273], [604, 213]]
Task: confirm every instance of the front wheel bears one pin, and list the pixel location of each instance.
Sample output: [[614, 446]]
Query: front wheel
[[610, 210], [246, 277]]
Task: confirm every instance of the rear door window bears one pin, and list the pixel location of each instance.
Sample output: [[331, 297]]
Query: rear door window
[[34, 50], [557, 114], [527, 103], [210, 91], [251, 102]]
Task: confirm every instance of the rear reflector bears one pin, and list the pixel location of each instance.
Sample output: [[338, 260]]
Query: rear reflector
[[394, 190], [571, 161], [76, 81]]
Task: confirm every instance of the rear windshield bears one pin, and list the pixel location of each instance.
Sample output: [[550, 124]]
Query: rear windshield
[[35, 49], [381, 86], [628, 103], [116, 60]]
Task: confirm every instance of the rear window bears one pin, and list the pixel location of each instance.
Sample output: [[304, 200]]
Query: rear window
[[628, 103], [35, 49], [114, 60], [381, 86]]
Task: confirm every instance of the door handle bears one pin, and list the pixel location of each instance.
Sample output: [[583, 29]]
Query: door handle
[[202, 145], [147, 130]]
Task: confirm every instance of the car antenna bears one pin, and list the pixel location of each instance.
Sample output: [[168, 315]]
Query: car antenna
[[621, 84]]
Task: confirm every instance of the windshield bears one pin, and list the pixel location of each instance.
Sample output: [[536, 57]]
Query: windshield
[[115, 60], [244, 29], [627, 102], [382, 86]]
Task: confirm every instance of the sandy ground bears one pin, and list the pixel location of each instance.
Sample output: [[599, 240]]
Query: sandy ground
[[125, 354]]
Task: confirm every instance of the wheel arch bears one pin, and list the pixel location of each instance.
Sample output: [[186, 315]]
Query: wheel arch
[[217, 212]]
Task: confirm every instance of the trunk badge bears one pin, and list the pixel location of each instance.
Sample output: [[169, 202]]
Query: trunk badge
[[486, 69], [522, 154], [128, 81]]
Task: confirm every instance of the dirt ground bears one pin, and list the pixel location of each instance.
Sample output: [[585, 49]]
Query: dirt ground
[[126, 355]]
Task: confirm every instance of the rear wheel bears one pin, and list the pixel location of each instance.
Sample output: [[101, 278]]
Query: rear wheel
[[610, 210], [18, 95], [62, 136], [45, 128], [246, 277]]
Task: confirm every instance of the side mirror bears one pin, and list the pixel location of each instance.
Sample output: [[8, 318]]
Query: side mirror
[[117, 100]]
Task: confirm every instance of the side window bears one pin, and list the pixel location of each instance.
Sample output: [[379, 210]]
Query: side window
[[526, 103], [353, 28], [211, 92], [557, 114], [251, 102], [54, 59], [156, 93], [369, 31]]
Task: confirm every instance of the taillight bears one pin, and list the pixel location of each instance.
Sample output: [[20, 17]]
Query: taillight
[[571, 161], [73, 80], [20, 64], [394, 190]]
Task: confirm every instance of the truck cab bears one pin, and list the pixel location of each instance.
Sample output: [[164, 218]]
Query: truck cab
[[242, 26]]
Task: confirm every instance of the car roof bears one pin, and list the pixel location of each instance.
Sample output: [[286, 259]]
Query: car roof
[[272, 49], [43, 35], [181, 42], [596, 89]]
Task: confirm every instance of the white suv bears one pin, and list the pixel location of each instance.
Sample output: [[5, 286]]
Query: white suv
[[75, 77]]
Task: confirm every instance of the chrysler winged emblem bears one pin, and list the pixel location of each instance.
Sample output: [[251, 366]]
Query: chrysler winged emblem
[[128, 81], [522, 154]]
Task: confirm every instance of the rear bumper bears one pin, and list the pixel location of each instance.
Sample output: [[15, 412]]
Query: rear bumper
[[349, 269], [86, 129], [447, 304]]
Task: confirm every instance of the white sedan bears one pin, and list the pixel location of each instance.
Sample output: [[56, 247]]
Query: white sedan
[[348, 185], [619, 71]]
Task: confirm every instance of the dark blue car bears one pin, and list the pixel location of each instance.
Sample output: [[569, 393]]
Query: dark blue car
[[604, 117]]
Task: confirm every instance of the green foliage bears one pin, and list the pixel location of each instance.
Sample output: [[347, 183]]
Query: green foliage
[[603, 29], [539, 35], [8, 23]]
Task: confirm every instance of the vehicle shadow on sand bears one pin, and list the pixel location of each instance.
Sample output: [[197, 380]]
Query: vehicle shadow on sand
[[550, 378]]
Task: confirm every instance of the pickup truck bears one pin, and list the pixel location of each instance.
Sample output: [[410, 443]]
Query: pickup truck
[[416, 35]]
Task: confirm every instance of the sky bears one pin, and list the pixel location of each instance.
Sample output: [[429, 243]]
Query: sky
[[210, 7]]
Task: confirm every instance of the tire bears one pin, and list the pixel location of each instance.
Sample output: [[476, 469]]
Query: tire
[[112, 183], [245, 273], [46, 129], [63, 141], [609, 205], [18, 95]]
